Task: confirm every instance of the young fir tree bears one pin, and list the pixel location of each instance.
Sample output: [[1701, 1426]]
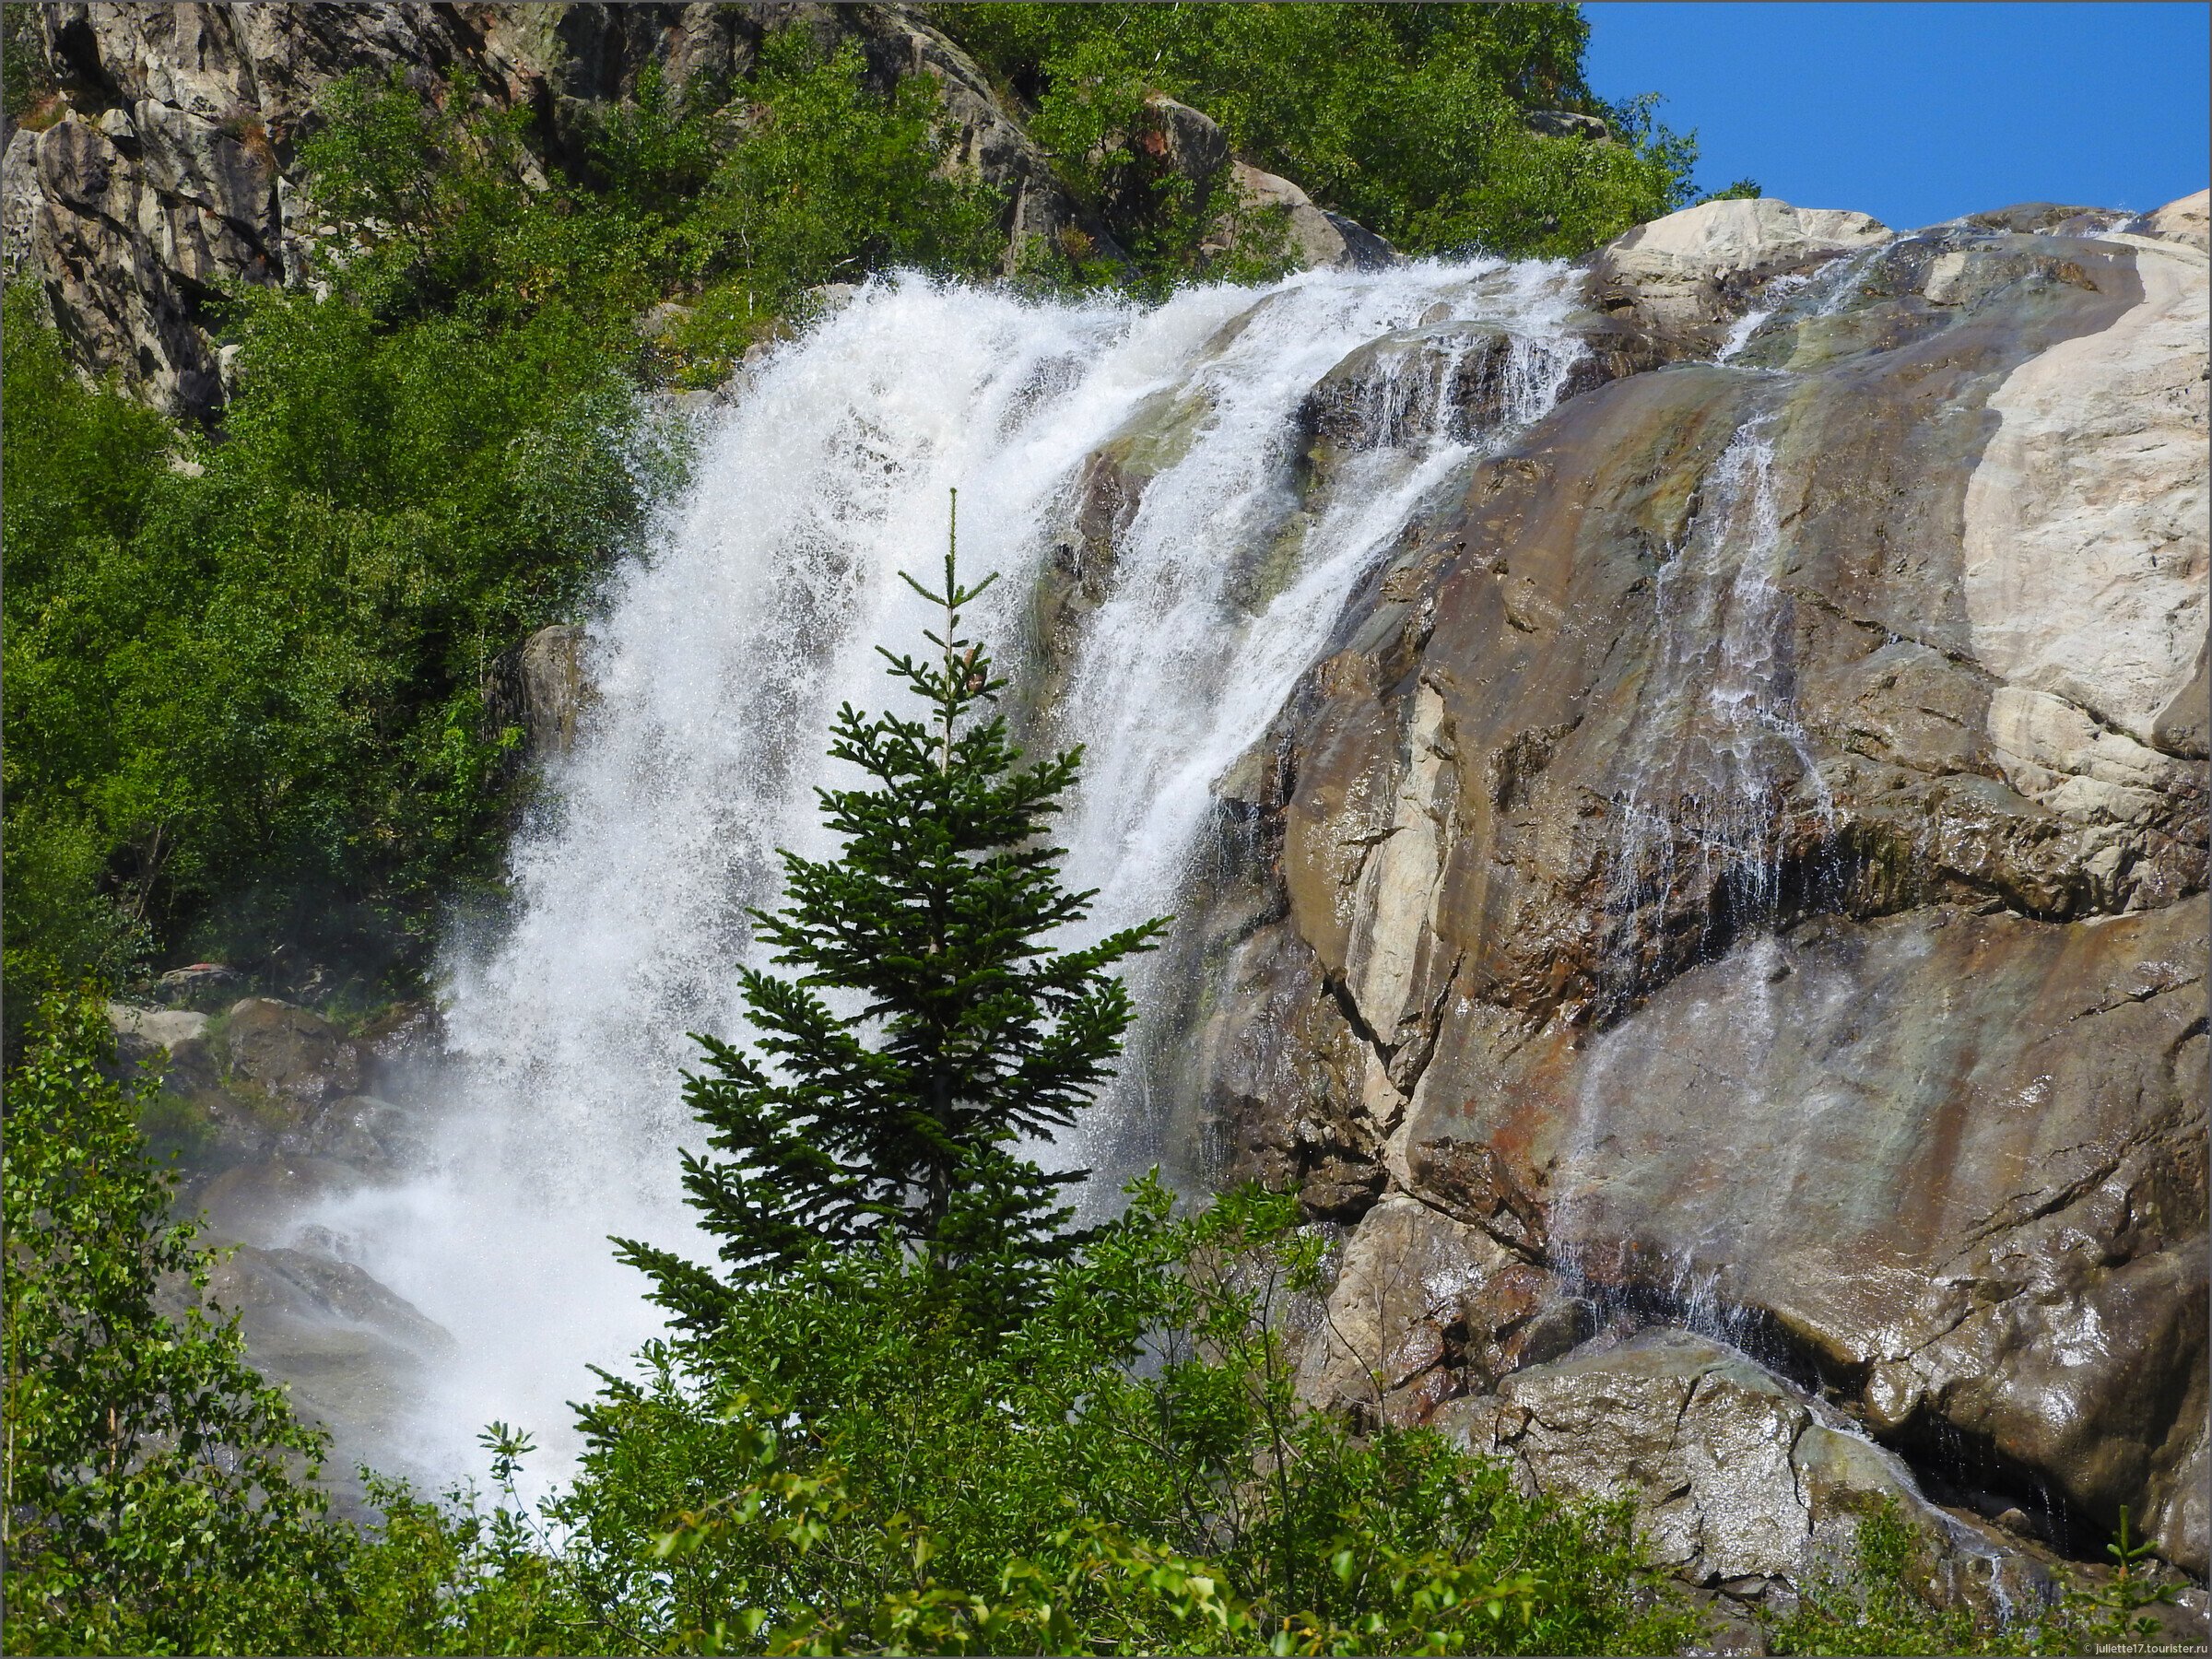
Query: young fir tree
[[973, 1033]]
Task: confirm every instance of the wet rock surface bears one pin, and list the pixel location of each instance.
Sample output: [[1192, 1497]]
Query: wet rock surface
[[261, 1105], [352, 1354], [1742, 1480], [1743, 862]]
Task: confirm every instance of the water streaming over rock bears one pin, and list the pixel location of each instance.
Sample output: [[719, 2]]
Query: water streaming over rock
[[1708, 775], [1712, 778], [719, 662]]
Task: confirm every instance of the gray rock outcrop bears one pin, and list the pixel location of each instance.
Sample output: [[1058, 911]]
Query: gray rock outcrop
[[1742, 1480], [1313, 236], [554, 689], [169, 178]]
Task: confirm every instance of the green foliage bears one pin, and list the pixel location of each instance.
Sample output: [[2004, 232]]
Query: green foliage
[[28, 81], [1408, 118], [153, 1496], [840, 1467], [830, 180], [248, 706], [1886, 1603], [972, 1031], [82, 469]]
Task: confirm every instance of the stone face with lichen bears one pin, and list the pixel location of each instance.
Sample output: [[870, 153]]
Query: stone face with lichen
[[1911, 1070]]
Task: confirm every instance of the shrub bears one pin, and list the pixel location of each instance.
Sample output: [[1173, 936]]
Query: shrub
[[828, 181], [842, 1467], [159, 1495], [1408, 118]]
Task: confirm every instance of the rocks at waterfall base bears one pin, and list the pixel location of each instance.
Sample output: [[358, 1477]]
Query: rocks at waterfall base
[[1745, 1482], [261, 1105], [1742, 867]]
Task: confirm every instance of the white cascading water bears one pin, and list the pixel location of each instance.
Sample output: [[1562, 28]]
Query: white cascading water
[[719, 662]]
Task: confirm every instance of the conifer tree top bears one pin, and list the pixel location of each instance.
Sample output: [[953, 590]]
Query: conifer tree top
[[974, 1033]]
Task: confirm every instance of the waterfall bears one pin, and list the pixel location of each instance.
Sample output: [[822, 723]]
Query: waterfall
[[718, 662]]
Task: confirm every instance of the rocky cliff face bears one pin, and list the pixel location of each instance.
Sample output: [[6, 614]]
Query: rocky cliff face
[[1721, 933], [165, 171], [1742, 867]]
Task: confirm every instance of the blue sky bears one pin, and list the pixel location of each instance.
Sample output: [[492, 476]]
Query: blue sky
[[1917, 113]]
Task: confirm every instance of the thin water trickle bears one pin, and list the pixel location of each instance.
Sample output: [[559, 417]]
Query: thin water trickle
[[719, 662], [1776, 295], [1719, 749], [1712, 778]]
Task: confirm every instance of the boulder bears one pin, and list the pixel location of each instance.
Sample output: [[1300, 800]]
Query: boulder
[[235, 1092], [364, 1134], [1728, 238], [261, 1203], [1187, 140], [301, 1287], [206, 986], [353, 1357], [555, 692], [1740, 1480], [1685, 275], [155, 1028], [285, 1051], [656, 322], [1313, 238], [1398, 1286]]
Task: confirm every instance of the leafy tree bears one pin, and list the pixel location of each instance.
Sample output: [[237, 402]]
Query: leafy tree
[[83, 468], [840, 1467], [1408, 118], [935, 918], [154, 1495]]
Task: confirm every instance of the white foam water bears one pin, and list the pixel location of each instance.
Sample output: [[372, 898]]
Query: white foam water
[[719, 662]]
